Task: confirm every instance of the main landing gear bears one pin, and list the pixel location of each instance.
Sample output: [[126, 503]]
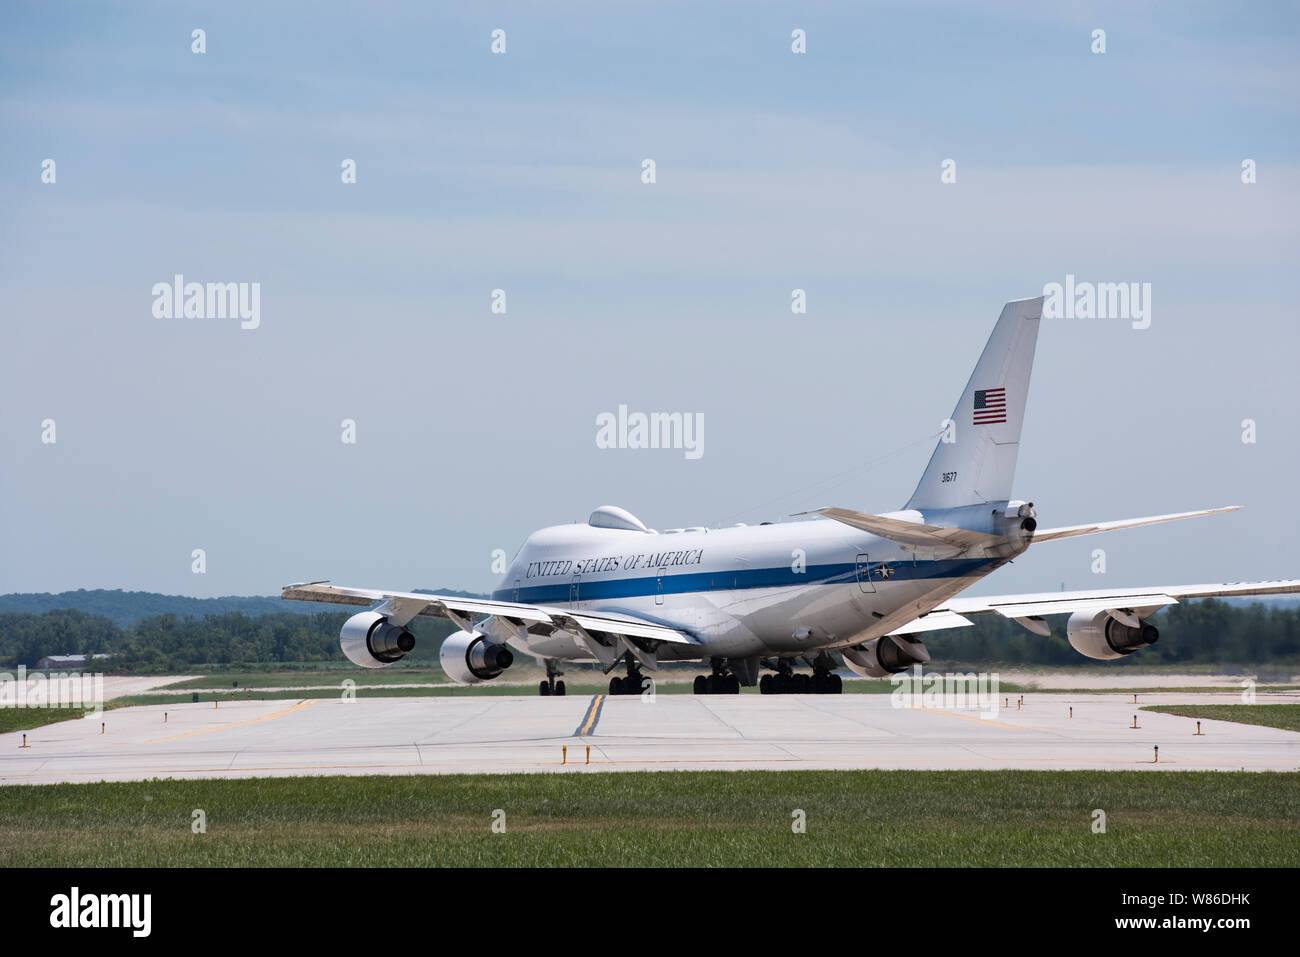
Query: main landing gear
[[721, 681], [634, 683], [550, 686], [822, 681]]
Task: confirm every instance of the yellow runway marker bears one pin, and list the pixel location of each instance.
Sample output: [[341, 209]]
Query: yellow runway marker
[[592, 716], [307, 703], [967, 717]]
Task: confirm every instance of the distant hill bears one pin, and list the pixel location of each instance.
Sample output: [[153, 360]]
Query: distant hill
[[127, 607]]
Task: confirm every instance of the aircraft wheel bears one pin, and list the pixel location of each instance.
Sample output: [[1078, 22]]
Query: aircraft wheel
[[733, 684], [765, 684], [615, 685], [544, 688], [701, 684], [559, 687], [837, 684]]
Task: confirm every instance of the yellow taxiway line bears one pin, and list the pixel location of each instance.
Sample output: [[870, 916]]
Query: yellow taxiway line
[[307, 703]]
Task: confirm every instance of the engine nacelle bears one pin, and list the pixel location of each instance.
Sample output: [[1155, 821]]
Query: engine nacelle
[[471, 656], [1098, 635], [881, 657], [371, 641]]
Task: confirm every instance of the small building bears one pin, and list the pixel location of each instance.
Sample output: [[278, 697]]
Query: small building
[[67, 662]]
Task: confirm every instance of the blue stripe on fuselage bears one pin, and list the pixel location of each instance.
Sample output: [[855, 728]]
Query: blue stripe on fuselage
[[783, 576]]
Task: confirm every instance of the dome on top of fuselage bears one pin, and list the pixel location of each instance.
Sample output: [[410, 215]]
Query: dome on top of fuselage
[[611, 516]]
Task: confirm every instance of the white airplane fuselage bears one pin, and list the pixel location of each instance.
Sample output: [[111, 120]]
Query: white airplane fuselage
[[776, 589]]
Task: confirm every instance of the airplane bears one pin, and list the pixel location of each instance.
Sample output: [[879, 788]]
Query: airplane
[[752, 601]]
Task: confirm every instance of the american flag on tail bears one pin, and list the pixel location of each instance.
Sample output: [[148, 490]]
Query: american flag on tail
[[990, 406]]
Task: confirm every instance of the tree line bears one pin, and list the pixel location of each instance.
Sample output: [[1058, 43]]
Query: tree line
[[126, 607], [1204, 632], [1208, 632], [167, 644]]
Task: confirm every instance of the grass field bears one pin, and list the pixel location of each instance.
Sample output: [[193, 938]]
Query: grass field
[[1285, 716], [24, 719], [854, 818], [588, 680], [671, 678], [574, 689], [1189, 689], [301, 679]]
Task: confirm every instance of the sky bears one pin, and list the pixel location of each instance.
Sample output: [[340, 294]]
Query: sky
[[522, 171]]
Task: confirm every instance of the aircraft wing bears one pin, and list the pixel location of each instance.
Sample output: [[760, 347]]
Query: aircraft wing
[[933, 621], [1029, 609], [403, 606]]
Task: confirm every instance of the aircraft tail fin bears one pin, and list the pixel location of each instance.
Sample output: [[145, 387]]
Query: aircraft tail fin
[[975, 460]]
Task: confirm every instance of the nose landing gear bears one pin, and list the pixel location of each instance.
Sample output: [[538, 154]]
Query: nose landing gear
[[551, 686]]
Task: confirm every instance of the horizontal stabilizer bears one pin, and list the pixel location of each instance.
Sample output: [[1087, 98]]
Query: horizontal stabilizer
[[1069, 531], [910, 533]]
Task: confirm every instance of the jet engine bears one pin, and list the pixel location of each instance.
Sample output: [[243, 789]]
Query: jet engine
[[884, 656], [1104, 637], [372, 641], [471, 656]]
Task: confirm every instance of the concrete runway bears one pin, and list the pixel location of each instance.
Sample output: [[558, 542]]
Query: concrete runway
[[405, 735]]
